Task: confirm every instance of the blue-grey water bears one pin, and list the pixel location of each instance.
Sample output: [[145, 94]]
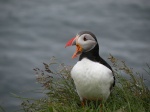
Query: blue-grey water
[[32, 31]]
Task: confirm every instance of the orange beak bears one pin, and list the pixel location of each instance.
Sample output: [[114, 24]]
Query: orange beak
[[72, 42]]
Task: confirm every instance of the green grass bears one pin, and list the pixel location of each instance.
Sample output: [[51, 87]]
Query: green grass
[[130, 93]]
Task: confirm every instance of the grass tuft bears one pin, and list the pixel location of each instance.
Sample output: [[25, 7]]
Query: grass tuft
[[130, 93]]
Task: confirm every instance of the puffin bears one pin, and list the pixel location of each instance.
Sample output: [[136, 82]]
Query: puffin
[[92, 75]]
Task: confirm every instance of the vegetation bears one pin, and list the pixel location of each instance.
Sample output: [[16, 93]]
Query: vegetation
[[130, 93]]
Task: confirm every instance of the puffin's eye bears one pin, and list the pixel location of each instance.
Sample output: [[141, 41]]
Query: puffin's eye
[[85, 39]]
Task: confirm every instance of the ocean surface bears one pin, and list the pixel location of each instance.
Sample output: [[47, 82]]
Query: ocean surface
[[32, 31]]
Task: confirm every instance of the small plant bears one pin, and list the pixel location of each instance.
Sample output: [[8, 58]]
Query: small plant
[[130, 94]]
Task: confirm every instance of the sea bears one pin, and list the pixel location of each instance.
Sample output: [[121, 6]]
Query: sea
[[33, 31]]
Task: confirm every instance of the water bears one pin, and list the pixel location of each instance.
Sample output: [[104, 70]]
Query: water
[[32, 31]]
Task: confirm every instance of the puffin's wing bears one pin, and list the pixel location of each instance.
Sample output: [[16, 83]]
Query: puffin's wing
[[102, 61]]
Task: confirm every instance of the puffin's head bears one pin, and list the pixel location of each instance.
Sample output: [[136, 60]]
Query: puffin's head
[[84, 41]]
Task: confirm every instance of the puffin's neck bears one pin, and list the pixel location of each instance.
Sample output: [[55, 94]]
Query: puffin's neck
[[92, 55]]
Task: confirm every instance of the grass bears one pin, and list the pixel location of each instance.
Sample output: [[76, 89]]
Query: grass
[[130, 93]]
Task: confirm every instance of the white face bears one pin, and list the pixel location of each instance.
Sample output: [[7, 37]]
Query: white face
[[87, 42]]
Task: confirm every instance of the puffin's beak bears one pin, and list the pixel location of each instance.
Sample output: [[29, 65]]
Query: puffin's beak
[[72, 42]]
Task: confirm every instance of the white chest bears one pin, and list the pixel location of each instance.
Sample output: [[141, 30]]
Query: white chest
[[92, 79]]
